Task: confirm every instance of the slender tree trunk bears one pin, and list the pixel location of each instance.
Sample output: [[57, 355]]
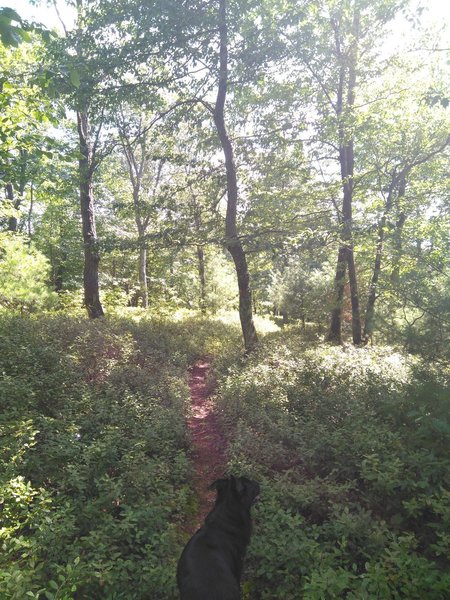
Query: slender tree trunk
[[233, 242], [91, 253], [200, 254], [350, 162], [137, 169], [245, 296], [12, 221], [13, 224], [398, 185], [335, 333], [201, 263], [143, 270], [354, 298], [141, 227], [30, 212], [398, 233], [344, 106], [398, 247], [22, 179], [59, 273], [202, 277], [369, 322], [346, 258]]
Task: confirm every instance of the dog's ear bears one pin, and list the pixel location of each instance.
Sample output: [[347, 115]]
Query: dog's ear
[[220, 485]]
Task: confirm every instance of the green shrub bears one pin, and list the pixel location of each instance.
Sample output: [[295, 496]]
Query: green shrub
[[23, 272], [352, 448], [93, 464], [94, 473], [350, 445]]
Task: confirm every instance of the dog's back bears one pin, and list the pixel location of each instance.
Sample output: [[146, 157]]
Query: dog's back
[[210, 566], [208, 569]]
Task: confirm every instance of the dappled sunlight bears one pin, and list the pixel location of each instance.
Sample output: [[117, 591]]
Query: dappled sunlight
[[224, 235]]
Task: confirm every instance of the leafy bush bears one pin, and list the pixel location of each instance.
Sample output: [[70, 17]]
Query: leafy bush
[[94, 475], [303, 291], [23, 273], [352, 448], [93, 463]]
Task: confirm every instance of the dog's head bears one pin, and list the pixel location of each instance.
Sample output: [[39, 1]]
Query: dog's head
[[244, 490]]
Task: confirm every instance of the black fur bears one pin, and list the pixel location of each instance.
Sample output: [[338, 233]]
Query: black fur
[[210, 566]]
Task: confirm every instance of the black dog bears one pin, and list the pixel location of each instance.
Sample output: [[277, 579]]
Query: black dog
[[210, 565]]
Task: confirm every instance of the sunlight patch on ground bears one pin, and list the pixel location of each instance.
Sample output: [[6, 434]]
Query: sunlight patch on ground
[[263, 324]]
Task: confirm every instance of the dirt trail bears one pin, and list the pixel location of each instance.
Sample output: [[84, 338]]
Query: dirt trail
[[208, 442]]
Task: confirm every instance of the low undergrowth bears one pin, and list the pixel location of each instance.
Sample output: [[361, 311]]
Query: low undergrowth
[[350, 445], [352, 448], [93, 459]]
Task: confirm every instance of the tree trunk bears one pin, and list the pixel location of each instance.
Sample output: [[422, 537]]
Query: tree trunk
[[354, 297], [13, 224], [30, 211], [202, 278], [370, 309], [398, 233], [137, 169], [233, 242], [398, 246], [59, 273], [369, 323], [201, 264], [335, 333], [141, 227], [91, 254], [143, 272], [12, 221], [346, 259], [245, 295], [398, 185], [347, 84]]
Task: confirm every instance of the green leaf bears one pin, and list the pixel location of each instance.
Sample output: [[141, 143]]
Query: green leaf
[[74, 78], [9, 36], [47, 35], [10, 14], [26, 37]]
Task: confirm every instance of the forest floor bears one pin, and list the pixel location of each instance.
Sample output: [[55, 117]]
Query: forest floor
[[208, 441], [101, 488]]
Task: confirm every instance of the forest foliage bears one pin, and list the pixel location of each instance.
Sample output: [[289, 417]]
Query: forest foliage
[[352, 450], [178, 169], [325, 180], [350, 446], [94, 467]]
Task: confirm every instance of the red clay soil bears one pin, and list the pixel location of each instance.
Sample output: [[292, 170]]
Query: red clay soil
[[208, 442]]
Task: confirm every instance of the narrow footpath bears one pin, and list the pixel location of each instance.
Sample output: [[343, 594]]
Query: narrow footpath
[[208, 442]]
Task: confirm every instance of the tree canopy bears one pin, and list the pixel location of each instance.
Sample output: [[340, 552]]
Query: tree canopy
[[298, 130]]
